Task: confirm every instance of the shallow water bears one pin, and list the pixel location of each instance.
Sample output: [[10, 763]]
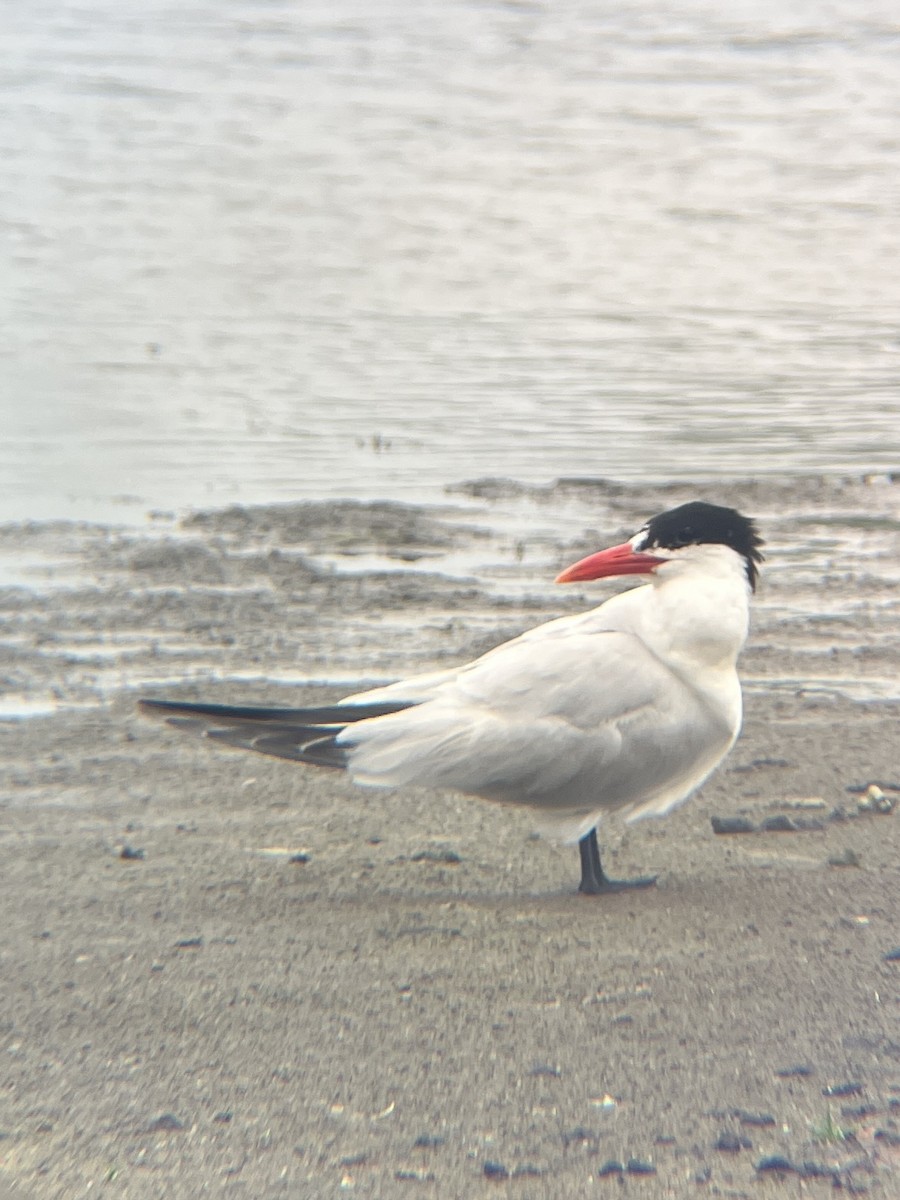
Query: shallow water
[[273, 599], [261, 252]]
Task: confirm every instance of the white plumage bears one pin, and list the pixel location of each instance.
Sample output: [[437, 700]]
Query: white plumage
[[626, 708]]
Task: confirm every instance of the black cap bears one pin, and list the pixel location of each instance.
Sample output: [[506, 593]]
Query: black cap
[[698, 523]]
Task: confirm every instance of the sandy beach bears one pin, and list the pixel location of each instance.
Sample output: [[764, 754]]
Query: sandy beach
[[229, 975]]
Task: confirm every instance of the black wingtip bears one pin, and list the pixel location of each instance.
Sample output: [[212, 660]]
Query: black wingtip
[[168, 709], [328, 714], [302, 735], [154, 706]]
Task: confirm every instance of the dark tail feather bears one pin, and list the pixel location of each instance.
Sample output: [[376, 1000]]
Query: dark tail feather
[[333, 714], [308, 746], [300, 734]]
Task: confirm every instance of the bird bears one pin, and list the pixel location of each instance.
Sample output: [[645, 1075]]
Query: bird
[[625, 708]]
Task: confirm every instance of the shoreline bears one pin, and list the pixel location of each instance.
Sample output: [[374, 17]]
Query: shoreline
[[229, 973]]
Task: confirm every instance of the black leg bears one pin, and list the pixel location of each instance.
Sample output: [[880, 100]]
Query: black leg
[[593, 881]]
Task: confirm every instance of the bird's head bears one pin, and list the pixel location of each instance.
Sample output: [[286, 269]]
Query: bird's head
[[672, 536]]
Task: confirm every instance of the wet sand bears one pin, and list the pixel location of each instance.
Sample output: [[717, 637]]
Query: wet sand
[[223, 974]]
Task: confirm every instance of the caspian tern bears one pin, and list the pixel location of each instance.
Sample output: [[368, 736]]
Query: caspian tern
[[626, 708]]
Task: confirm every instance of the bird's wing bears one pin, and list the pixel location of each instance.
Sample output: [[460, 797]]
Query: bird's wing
[[575, 721], [540, 639]]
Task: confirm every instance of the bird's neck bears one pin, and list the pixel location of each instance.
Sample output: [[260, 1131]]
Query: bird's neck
[[702, 616], [698, 613]]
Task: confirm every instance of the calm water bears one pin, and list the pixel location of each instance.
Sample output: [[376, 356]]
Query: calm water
[[261, 251]]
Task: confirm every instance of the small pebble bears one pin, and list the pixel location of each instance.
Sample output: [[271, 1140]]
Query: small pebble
[[636, 1166], [578, 1134], [775, 1162], [167, 1123], [300, 857], [132, 854], [495, 1170], [874, 800], [814, 1170], [847, 858], [726, 825], [732, 1143], [436, 856], [779, 824], [857, 1111], [428, 1141], [889, 1137], [843, 1089], [808, 802], [800, 1069], [892, 955], [544, 1069], [755, 763], [191, 943], [611, 1167], [761, 1120]]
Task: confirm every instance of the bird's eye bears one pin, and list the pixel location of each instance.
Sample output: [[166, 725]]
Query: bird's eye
[[683, 537]]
